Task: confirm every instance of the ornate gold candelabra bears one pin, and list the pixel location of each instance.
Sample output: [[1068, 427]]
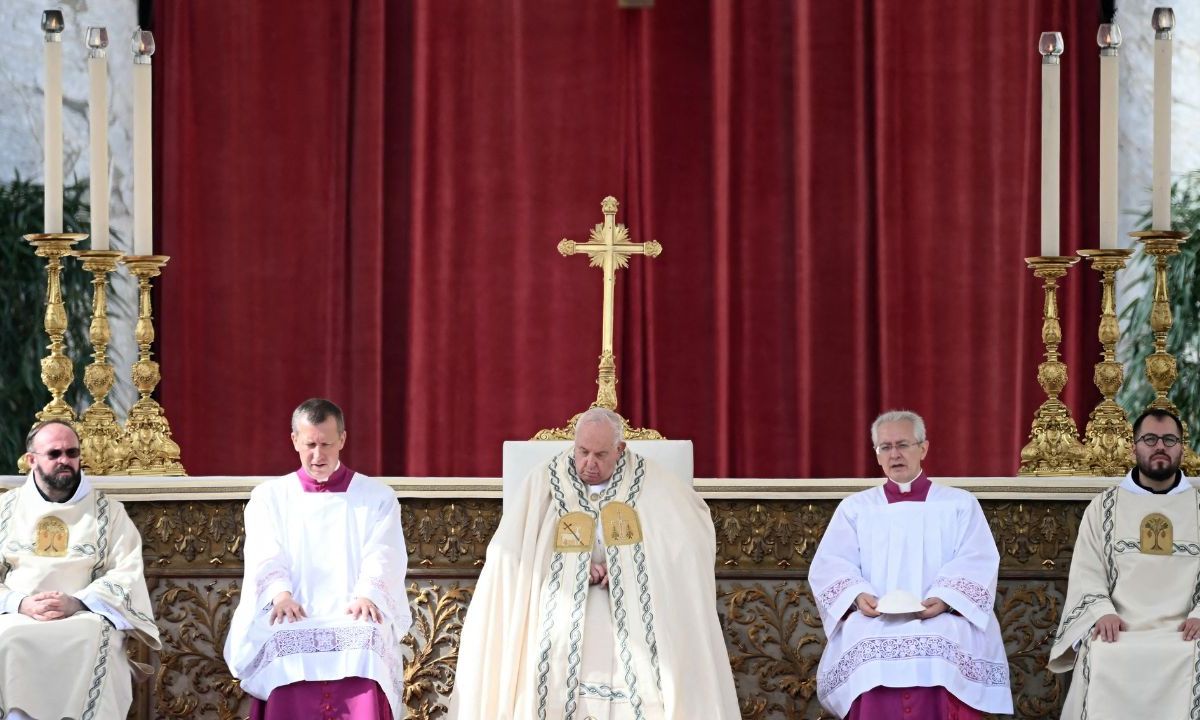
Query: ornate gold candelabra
[[1108, 439], [151, 451], [57, 370], [1054, 448], [99, 433], [1161, 370]]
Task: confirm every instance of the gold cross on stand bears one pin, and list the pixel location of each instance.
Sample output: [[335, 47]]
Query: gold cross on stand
[[609, 249]]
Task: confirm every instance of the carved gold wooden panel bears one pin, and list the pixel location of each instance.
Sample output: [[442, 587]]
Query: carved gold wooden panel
[[193, 554]]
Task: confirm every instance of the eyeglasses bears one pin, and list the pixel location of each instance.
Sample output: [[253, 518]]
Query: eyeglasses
[[1150, 440], [71, 453], [886, 448]]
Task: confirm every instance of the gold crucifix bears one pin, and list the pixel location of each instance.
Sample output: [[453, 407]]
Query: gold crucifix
[[609, 248]]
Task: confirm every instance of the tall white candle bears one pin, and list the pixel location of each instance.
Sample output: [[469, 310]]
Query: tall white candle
[[52, 141], [1109, 40], [97, 41], [143, 164], [1163, 21], [1050, 45]]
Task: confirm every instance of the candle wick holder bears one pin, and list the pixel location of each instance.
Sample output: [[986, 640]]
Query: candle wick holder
[[99, 433], [1108, 438], [151, 451], [1161, 369], [1054, 448]]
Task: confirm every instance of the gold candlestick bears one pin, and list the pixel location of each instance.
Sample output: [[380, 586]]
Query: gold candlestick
[[1108, 439], [57, 370], [99, 433], [1161, 370], [1054, 448], [147, 432]]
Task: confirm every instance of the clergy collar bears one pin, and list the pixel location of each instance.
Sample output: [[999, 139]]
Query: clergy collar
[[82, 489], [915, 490], [338, 482], [1133, 483]]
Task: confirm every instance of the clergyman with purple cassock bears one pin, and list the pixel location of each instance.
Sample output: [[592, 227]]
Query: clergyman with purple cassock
[[945, 661], [317, 631]]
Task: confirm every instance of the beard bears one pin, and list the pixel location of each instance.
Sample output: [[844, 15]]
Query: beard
[[61, 479], [1147, 469]]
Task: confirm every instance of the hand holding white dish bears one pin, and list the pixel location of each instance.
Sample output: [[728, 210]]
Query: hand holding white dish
[[899, 602]]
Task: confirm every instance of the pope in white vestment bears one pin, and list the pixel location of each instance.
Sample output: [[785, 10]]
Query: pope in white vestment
[[1131, 618], [598, 598], [323, 605], [72, 591], [933, 543]]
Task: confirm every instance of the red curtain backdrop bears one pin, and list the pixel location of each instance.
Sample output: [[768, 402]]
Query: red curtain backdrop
[[362, 201]]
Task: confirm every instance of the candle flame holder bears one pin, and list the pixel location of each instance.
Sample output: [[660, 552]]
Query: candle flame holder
[[1161, 369], [151, 451], [1108, 439], [1054, 448]]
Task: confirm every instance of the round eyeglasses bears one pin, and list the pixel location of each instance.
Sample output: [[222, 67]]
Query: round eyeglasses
[[1150, 440]]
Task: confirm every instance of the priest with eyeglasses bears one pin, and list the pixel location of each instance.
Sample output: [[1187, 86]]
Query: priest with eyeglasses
[[72, 590], [905, 582], [1131, 620]]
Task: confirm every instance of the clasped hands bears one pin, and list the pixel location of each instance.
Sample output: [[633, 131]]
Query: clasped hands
[[866, 604], [284, 608], [1109, 626], [50, 605], [598, 575]]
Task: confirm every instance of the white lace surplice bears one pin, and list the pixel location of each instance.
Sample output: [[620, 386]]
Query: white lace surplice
[[327, 549], [941, 547]]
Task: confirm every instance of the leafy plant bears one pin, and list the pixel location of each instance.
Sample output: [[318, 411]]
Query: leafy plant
[[23, 340], [1183, 342]]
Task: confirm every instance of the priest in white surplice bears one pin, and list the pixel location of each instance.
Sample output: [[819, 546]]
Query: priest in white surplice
[[598, 598], [71, 590], [931, 542], [323, 608], [1132, 614]]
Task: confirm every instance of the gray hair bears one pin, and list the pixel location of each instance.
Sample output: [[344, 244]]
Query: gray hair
[[605, 416], [892, 416], [315, 411]]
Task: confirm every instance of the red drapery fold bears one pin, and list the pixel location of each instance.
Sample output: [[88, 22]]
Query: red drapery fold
[[362, 201]]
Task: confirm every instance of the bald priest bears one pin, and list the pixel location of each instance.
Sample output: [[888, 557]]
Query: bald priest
[[598, 598]]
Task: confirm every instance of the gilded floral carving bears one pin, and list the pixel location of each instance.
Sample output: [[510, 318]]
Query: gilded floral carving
[[192, 680], [431, 648], [193, 559], [448, 533]]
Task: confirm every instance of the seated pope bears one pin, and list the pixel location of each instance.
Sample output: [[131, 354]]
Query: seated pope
[[317, 630], [905, 581], [598, 597], [1131, 619], [72, 591]]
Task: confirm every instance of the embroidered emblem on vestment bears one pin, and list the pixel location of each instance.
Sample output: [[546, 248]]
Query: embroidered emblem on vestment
[[576, 532], [621, 525], [52, 537], [1157, 534]]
